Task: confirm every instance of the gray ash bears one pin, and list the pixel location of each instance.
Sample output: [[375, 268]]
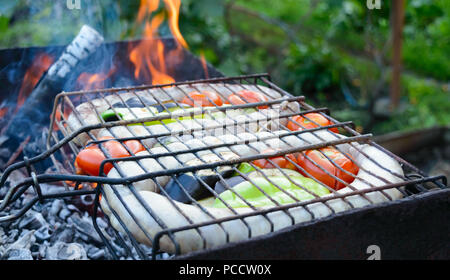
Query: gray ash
[[55, 229]]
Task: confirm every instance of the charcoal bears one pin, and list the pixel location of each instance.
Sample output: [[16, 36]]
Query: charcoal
[[33, 220], [43, 233], [34, 249], [73, 208], [11, 236], [27, 198], [54, 229], [43, 249], [96, 253], [17, 204], [53, 189], [20, 249], [2, 235], [18, 254], [38, 207], [118, 250], [66, 251], [63, 234], [64, 213], [57, 205], [85, 227]]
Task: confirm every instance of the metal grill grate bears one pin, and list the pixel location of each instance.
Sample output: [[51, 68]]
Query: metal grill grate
[[135, 213]]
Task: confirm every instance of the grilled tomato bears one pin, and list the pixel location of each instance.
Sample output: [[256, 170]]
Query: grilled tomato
[[89, 159], [315, 162], [202, 99], [280, 161], [308, 121], [247, 96]]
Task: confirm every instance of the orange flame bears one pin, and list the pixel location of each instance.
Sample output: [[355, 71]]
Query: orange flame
[[204, 65], [148, 56], [173, 8], [88, 81], [146, 7], [39, 65]]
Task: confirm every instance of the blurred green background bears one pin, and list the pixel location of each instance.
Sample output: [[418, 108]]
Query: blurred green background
[[336, 53]]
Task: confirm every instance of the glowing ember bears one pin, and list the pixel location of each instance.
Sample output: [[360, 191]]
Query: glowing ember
[[39, 65], [148, 56], [3, 111]]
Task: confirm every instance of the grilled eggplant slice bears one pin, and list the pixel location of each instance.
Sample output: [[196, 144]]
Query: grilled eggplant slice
[[184, 185], [221, 186]]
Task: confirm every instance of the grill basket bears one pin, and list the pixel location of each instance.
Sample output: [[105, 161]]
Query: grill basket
[[65, 140]]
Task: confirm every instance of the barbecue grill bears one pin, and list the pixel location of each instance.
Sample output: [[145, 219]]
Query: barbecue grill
[[388, 205]]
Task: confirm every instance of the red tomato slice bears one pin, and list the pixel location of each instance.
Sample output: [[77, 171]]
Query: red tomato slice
[[90, 158], [316, 159], [202, 99], [247, 96], [279, 161], [307, 122]]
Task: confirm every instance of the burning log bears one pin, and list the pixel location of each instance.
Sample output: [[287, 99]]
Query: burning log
[[35, 112]]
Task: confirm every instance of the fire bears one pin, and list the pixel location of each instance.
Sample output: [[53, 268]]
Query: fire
[[3, 111], [39, 65], [89, 81], [204, 65], [146, 7], [173, 7], [148, 56]]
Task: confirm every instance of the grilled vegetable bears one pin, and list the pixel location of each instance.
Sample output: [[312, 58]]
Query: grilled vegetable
[[221, 186], [136, 113], [250, 192], [170, 107], [196, 187], [251, 173], [202, 99], [274, 172], [89, 159], [305, 122], [172, 139], [318, 157], [143, 102], [135, 102], [247, 96], [280, 161], [244, 168], [128, 113]]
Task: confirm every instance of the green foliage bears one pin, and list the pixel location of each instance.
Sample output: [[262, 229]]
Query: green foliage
[[324, 50]]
